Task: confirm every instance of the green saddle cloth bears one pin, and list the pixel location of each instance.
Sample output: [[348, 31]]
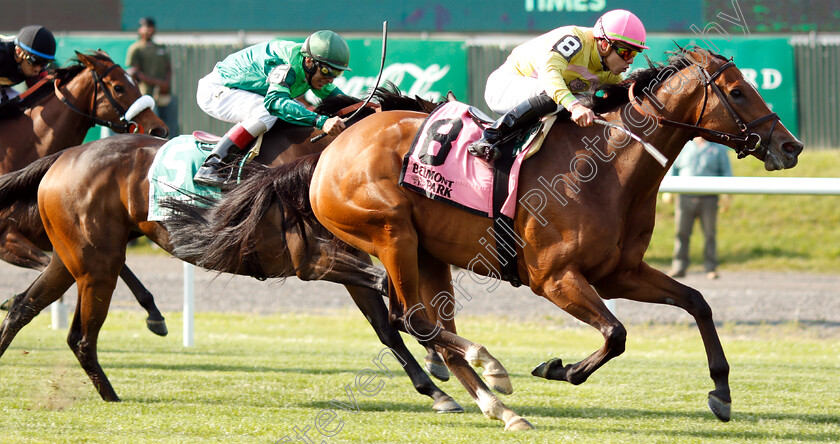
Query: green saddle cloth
[[172, 172]]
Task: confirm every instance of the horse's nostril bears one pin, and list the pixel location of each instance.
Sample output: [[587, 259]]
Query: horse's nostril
[[792, 148], [159, 132]]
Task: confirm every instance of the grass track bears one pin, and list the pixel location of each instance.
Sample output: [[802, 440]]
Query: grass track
[[256, 378]]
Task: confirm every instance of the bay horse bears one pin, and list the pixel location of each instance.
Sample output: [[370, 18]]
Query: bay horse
[[58, 114], [584, 217], [93, 198]]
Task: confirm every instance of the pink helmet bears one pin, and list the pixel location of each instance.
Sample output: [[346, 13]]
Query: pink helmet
[[623, 26]]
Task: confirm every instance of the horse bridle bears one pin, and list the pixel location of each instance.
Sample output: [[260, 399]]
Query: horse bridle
[[126, 124], [742, 140]]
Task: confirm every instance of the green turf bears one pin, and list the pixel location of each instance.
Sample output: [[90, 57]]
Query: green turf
[[254, 379]]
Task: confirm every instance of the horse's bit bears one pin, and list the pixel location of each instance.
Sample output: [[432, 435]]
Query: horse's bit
[[743, 139], [126, 125]]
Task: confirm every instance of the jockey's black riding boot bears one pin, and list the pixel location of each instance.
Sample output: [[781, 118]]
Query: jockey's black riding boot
[[219, 167], [521, 116]]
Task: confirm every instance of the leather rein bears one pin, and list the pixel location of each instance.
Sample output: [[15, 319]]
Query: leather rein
[[126, 124], [743, 140]]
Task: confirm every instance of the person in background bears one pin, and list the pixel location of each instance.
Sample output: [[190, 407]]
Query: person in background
[[24, 57], [149, 63], [699, 157]]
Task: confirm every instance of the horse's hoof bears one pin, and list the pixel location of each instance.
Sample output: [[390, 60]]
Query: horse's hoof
[[545, 369], [519, 423], [6, 305], [500, 383], [438, 370], [157, 327], [722, 409], [447, 405]]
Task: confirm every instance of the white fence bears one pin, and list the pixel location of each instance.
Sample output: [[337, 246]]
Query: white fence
[[691, 185]]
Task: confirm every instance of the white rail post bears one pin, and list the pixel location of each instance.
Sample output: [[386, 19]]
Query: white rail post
[[189, 304], [58, 311]]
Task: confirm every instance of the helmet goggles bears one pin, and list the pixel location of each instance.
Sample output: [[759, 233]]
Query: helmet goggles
[[328, 71]]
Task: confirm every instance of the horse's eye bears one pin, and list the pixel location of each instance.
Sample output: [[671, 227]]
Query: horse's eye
[[735, 93], [119, 88]]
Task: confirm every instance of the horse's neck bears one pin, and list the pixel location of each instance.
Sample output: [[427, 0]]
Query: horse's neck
[[56, 125], [640, 167]]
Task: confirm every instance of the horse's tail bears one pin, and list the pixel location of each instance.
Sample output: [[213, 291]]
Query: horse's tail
[[21, 186], [223, 236]]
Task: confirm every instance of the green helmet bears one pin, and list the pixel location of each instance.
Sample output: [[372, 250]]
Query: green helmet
[[329, 48]]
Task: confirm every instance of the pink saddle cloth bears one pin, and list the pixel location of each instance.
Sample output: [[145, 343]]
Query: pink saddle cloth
[[439, 166]]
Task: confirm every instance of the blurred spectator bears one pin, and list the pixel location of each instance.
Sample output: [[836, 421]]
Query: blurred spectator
[[150, 64], [699, 157]]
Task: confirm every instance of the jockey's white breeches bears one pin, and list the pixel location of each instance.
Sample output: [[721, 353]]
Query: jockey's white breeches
[[506, 88], [231, 104]]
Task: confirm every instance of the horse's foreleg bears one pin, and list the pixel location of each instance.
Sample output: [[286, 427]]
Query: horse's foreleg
[[572, 292], [46, 289], [374, 309], [646, 284], [155, 321]]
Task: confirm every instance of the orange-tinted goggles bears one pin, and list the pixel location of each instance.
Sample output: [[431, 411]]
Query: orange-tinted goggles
[[625, 53]]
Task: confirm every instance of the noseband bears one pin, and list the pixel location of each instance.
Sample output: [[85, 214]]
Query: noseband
[[746, 141], [126, 124]]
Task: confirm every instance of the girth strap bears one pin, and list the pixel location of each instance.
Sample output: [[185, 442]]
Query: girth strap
[[506, 245]]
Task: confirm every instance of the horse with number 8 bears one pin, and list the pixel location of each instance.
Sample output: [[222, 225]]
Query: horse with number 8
[[585, 214]]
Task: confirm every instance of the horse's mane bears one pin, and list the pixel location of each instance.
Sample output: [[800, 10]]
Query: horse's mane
[[610, 97], [388, 97], [76, 66]]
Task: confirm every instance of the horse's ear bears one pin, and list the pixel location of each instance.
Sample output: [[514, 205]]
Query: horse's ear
[[86, 60], [450, 97], [698, 56]]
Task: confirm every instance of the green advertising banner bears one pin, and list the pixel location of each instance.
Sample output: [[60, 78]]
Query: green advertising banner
[[767, 63], [426, 68]]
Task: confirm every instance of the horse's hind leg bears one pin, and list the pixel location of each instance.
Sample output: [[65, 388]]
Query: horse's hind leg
[[95, 291], [571, 291], [430, 323], [46, 289], [646, 284], [374, 309], [155, 321], [434, 363]]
